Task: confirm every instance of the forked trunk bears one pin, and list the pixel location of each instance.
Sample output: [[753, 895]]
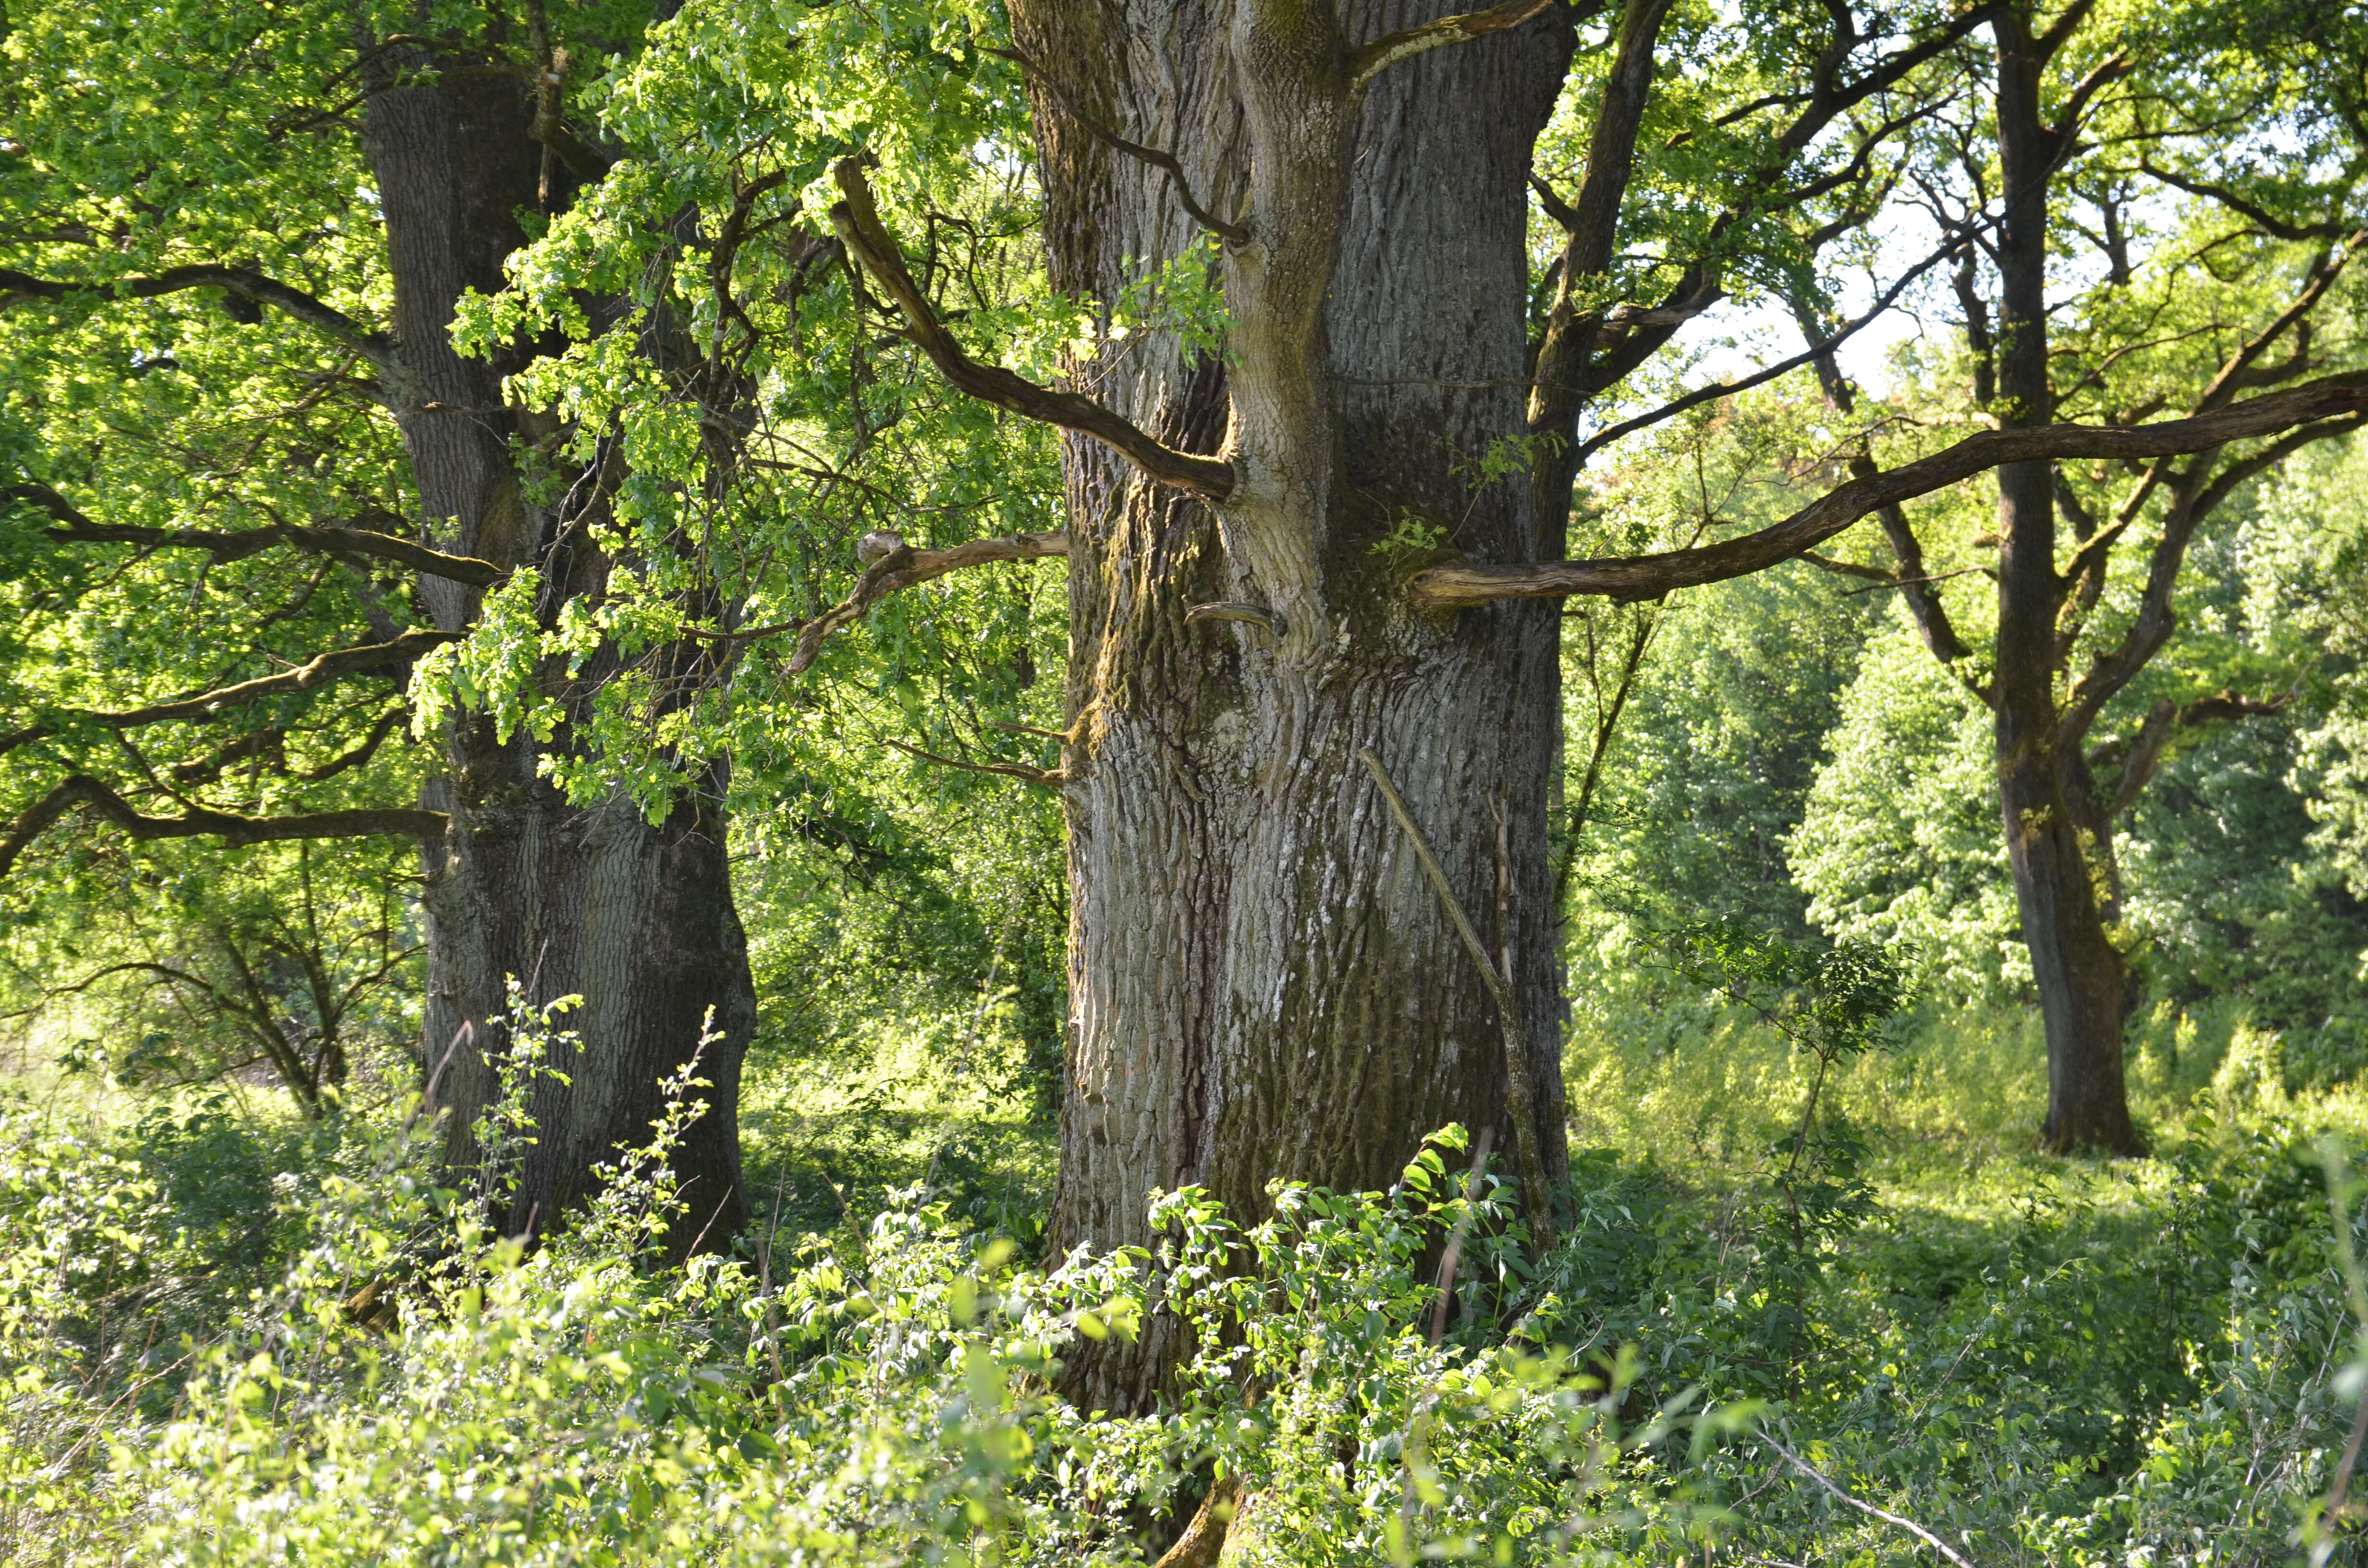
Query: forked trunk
[[636, 919], [2076, 969], [1263, 984]]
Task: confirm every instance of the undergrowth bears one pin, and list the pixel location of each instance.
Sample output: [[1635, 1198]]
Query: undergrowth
[[1865, 1331]]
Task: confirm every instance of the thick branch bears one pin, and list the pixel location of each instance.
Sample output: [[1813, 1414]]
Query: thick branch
[[367, 659], [2268, 223], [1920, 591], [2154, 732], [1569, 336], [82, 789], [225, 545], [377, 348], [550, 126], [2086, 568], [1385, 51], [857, 222], [361, 752], [900, 567], [2151, 626], [1643, 577], [371, 656]]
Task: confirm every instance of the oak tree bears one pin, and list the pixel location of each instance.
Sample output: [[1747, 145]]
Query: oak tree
[[252, 458]]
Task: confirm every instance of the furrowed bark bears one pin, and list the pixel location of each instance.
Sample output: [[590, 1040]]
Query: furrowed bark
[[1263, 984], [1378, 56], [637, 918]]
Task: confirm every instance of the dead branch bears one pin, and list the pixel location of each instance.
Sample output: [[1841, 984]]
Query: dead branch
[[1534, 1197], [1818, 349], [1911, 1526]]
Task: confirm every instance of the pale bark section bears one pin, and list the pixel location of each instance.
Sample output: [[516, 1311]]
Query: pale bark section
[[1262, 983]]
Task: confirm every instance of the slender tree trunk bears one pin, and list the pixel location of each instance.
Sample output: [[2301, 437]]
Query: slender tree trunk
[[1262, 983], [2079, 975], [638, 919]]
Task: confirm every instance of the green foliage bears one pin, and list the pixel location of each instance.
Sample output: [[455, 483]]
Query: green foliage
[[146, 965], [2039, 1363], [880, 1398], [1898, 842]]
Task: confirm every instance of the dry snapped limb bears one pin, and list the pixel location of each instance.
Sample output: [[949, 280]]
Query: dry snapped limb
[[1644, 576], [857, 219], [201, 823], [1385, 51], [226, 545], [1911, 1526]]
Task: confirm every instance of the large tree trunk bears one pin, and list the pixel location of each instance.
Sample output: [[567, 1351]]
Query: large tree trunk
[[637, 919], [1263, 985], [2078, 974]]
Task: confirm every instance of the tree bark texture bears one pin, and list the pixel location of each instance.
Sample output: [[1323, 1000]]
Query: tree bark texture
[[1263, 985], [637, 919], [2080, 975]]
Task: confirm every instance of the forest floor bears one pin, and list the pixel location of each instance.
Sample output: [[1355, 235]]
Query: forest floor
[[2066, 1360]]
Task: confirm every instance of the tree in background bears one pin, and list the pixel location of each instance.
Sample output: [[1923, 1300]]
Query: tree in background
[[258, 482], [150, 962], [2189, 292], [2312, 547]]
